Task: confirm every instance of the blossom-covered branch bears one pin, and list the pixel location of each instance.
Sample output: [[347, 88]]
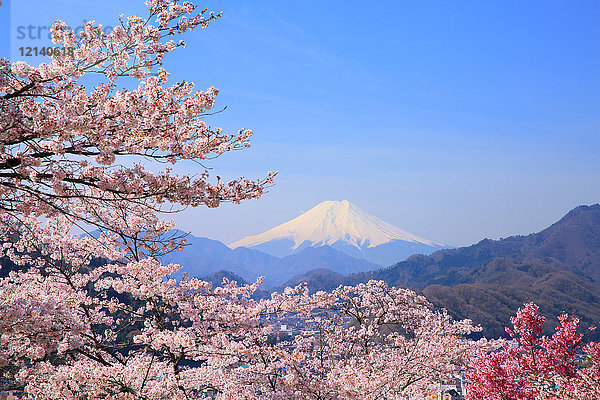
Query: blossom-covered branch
[[66, 149]]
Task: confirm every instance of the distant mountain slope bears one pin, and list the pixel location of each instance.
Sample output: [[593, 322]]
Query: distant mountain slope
[[311, 258], [346, 228], [503, 285], [573, 242], [202, 257], [216, 278], [325, 279]]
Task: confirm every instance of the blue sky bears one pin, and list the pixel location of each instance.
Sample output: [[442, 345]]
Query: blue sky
[[452, 120]]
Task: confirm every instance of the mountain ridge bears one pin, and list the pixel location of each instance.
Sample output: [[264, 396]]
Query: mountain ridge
[[203, 257], [573, 242]]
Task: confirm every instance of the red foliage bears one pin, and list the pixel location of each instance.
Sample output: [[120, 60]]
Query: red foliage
[[538, 367]]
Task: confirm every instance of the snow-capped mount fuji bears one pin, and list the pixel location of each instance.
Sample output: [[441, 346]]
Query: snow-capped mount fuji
[[345, 227]]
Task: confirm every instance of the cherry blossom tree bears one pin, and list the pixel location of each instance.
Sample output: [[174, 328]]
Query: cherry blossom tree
[[538, 367], [68, 150], [368, 341], [98, 316], [70, 155]]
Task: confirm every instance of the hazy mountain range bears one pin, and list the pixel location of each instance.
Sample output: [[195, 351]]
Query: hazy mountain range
[[203, 257], [334, 235]]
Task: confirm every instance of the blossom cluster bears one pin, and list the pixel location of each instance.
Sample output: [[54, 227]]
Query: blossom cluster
[[69, 149]]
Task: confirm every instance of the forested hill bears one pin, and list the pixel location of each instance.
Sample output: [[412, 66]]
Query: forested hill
[[572, 244]]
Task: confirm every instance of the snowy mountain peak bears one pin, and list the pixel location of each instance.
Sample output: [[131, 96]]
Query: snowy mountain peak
[[334, 221]]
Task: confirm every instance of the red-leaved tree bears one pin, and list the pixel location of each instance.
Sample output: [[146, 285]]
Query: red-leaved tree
[[538, 367]]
